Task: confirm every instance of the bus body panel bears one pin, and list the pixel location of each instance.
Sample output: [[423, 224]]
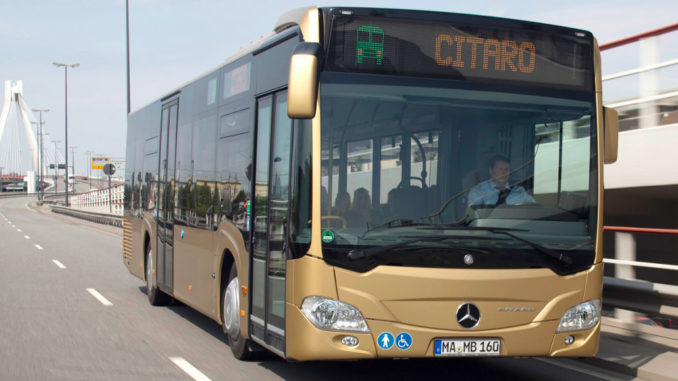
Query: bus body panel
[[194, 258], [309, 276], [429, 297]]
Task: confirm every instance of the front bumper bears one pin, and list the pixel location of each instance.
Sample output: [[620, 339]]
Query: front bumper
[[306, 342]]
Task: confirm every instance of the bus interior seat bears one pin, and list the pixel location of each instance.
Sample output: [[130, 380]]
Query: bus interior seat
[[407, 203], [470, 179], [433, 199]]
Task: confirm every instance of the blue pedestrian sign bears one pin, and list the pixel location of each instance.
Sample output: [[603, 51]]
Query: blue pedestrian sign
[[385, 340], [403, 341]]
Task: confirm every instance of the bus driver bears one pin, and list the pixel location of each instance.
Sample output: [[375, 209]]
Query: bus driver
[[496, 190]]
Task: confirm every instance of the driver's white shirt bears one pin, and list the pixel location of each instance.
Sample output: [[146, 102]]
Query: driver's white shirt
[[487, 193]]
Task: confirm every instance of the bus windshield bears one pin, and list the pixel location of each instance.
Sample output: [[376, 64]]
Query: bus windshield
[[434, 173]]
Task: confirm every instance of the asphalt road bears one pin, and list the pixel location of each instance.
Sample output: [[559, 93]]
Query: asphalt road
[[69, 310]]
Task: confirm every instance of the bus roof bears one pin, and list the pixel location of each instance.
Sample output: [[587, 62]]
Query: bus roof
[[252, 46]]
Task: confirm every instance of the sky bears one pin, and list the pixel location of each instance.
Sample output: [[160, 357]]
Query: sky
[[174, 41]]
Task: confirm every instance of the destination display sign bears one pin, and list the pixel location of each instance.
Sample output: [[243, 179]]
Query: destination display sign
[[539, 55]]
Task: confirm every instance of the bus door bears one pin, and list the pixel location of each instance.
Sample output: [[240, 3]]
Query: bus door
[[165, 223], [271, 210]]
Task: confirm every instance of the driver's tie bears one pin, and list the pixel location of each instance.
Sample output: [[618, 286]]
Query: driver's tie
[[503, 194]]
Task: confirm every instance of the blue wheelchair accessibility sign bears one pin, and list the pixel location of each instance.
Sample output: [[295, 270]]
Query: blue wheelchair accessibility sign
[[403, 341]]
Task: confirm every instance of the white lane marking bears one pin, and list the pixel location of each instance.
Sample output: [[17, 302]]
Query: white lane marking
[[189, 369], [38, 247], [99, 297], [18, 230], [27, 237], [59, 264]]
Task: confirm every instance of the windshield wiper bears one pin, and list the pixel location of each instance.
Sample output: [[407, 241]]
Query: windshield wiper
[[540, 248], [356, 254], [398, 222]]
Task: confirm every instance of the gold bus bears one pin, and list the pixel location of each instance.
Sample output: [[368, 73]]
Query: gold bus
[[375, 183]]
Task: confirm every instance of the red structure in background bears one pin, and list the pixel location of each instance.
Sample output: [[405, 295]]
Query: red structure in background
[[638, 37]]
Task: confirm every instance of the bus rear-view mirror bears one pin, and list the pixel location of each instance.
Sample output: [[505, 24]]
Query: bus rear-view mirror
[[303, 81]]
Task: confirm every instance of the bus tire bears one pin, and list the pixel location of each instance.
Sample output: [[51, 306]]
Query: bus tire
[[155, 296], [230, 305]]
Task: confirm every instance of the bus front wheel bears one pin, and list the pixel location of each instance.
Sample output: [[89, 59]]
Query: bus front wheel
[[231, 317]]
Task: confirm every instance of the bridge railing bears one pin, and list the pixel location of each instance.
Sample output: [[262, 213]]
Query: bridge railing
[[654, 105], [98, 201]]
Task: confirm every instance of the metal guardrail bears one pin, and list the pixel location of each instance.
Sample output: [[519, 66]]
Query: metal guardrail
[[13, 194], [100, 218], [654, 299]]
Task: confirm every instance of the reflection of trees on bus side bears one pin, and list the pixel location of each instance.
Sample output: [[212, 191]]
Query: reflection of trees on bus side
[[199, 203], [203, 201], [206, 203], [168, 200]]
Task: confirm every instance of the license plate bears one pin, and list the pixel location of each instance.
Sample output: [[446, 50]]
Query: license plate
[[467, 347]]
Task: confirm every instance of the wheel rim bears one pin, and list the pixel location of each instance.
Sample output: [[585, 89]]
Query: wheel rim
[[231, 308], [149, 271]]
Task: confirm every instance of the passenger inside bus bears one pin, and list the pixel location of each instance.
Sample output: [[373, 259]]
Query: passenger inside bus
[[497, 190], [362, 208], [342, 204]]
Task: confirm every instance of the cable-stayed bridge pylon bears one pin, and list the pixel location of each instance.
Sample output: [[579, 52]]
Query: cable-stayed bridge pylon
[[13, 159]]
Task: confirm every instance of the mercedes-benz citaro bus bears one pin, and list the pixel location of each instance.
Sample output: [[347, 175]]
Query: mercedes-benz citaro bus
[[330, 191]]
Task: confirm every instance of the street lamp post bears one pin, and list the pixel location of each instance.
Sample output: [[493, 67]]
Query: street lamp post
[[72, 167], [38, 125], [56, 166], [89, 169], [66, 66], [40, 157], [73, 159]]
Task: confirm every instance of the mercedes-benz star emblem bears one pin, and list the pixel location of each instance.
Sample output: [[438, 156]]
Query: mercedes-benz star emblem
[[468, 259], [468, 315]]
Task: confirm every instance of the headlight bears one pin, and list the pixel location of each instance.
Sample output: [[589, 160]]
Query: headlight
[[580, 317], [330, 314]]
